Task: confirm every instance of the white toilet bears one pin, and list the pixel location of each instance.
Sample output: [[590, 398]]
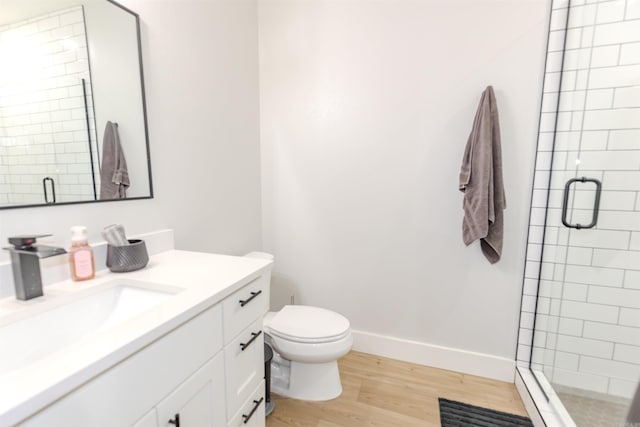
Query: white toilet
[[307, 343]]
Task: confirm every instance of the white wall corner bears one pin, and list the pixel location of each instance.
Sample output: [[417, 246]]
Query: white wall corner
[[452, 359]]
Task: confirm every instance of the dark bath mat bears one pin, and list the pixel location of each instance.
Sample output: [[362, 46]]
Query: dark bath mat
[[456, 414]]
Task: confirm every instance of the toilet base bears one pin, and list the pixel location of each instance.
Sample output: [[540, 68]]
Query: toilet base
[[310, 381]]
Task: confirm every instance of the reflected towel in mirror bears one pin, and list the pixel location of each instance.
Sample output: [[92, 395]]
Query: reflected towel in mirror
[[114, 177]]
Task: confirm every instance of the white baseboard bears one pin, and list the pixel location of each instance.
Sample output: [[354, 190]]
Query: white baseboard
[[452, 359]]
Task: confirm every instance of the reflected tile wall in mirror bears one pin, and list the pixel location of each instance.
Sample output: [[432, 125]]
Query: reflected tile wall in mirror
[[47, 126], [53, 121]]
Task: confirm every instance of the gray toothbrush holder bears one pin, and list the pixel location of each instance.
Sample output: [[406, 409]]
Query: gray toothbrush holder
[[121, 259]]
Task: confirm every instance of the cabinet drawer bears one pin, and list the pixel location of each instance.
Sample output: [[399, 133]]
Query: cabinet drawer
[[244, 368], [244, 306], [252, 411]]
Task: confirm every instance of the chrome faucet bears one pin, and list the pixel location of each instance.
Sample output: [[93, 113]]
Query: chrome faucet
[[25, 263]]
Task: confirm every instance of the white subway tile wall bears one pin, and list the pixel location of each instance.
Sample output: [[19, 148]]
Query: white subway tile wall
[[589, 295], [43, 125]]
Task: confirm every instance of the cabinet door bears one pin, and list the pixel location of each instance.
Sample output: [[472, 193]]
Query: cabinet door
[[199, 401], [150, 419], [244, 360]]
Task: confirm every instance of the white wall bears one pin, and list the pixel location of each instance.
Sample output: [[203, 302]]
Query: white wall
[[200, 63], [365, 111]]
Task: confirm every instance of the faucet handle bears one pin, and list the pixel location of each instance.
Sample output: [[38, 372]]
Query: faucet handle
[[25, 241], [25, 245]]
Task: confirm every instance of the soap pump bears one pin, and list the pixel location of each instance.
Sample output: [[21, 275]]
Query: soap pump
[[81, 255]]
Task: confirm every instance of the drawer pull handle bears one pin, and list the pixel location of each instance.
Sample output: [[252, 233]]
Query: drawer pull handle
[[175, 421], [254, 335], [244, 302], [255, 407]]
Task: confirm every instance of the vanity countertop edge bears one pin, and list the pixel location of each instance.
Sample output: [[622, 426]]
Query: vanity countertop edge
[[206, 280]]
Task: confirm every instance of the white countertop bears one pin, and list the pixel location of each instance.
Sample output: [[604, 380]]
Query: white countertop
[[206, 279]]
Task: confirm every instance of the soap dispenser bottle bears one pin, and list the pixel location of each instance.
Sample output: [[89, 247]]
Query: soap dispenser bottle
[[81, 255]]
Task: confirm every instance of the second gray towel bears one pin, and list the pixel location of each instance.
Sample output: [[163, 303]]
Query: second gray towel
[[481, 181]]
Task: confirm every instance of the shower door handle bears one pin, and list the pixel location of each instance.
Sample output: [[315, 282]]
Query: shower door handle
[[53, 190], [596, 203]]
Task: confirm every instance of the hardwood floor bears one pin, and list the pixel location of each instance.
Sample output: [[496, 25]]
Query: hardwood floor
[[384, 392]]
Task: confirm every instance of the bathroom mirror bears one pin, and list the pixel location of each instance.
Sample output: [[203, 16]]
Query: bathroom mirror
[[70, 69]]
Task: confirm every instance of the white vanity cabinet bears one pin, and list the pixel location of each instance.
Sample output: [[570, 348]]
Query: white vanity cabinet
[[209, 371], [121, 395], [244, 352]]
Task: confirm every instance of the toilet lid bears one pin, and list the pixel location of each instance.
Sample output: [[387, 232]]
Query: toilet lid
[[303, 323]]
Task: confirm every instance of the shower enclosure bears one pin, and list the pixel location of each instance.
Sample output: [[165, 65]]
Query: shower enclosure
[[580, 334]]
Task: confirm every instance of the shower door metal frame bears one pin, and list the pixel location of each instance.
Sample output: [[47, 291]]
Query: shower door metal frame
[[544, 226]]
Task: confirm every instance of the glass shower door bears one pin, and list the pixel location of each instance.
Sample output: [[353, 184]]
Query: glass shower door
[[587, 334]]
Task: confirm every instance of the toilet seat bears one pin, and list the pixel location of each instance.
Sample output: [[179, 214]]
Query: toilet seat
[[305, 324], [308, 340]]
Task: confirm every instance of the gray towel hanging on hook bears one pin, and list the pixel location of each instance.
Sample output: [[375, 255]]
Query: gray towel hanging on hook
[[481, 181]]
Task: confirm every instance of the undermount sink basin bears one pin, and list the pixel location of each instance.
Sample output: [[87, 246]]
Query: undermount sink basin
[[63, 321]]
